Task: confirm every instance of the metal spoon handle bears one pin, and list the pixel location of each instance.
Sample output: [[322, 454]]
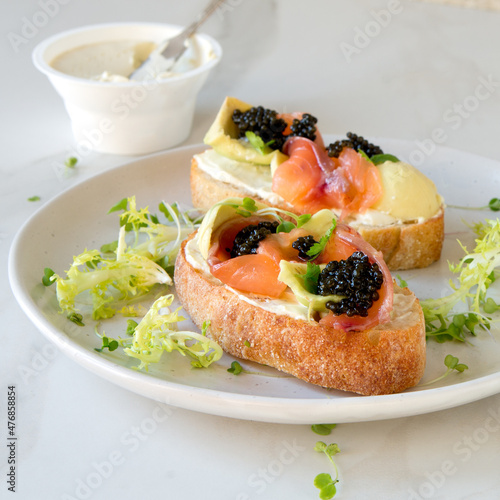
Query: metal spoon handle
[[187, 32], [207, 12], [167, 53]]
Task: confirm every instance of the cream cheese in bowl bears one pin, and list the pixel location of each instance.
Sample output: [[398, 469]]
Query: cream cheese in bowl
[[115, 60], [89, 68]]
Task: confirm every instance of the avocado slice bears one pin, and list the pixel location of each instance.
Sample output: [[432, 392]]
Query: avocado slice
[[291, 274], [214, 218], [222, 136]]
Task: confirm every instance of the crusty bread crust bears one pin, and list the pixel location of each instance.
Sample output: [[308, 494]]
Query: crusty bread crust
[[387, 359], [404, 246]]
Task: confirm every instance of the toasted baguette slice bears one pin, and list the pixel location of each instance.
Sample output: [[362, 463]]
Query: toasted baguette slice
[[404, 246], [383, 360]]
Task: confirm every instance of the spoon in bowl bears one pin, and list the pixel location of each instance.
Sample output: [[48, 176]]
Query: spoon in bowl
[[169, 51]]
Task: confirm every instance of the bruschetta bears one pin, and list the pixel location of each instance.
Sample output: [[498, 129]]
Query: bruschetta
[[303, 294]]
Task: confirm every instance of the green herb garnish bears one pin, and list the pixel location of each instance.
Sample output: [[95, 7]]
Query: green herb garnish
[[71, 162], [285, 226], [246, 208], [109, 247], [76, 318], [49, 277], [324, 482], [452, 364], [382, 158], [131, 326], [310, 278], [107, 344], [493, 205], [121, 205], [257, 142], [402, 282], [34, 198], [323, 429], [236, 368], [318, 247]]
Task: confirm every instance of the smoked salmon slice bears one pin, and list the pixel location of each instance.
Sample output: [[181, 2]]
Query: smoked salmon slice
[[310, 180], [253, 273]]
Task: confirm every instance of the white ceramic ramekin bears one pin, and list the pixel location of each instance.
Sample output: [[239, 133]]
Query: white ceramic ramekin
[[127, 118]]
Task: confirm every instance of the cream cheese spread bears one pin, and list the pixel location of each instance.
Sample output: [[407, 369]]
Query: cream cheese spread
[[408, 194], [254, 179], [114, 61]]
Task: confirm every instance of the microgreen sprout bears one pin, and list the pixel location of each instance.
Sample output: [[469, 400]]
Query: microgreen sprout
[[49, 277], [107, 344], [285, 226], [34, 198], [236, 368], [323, 429], [454, 326], [76, 318], [493, 205], [402, 283], [324, 482], [452, 364], [246, 208], [310, 278], [257, 142], [109, 247], [378, 159], [382, 158], [71, 162], [318, 247], [121, 205], [131, 326]]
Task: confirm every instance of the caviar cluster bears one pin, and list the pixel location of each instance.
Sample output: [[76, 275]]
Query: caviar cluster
[[355, 142], [263, 122], [356, 279], [303, 244], [247, 240], [271, 129], [305, 127]]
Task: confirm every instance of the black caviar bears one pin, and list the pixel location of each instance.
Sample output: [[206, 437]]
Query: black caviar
[[247, 240], [356, 142], [270, 128], [303, 244], [263, 122], [355, 278], [305, 127]]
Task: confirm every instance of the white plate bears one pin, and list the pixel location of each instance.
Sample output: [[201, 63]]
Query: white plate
[[77, 219]]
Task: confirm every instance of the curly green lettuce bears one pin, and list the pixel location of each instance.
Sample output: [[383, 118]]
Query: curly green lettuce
[[476, 272], [129, 268], [157, 333]]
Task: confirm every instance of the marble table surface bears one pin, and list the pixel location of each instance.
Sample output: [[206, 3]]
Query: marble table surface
[[393, 69]]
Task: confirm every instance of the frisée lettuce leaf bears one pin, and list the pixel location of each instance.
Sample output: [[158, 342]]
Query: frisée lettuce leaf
[[109, 282], [476, 272], [157, 332], [127, 269]]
